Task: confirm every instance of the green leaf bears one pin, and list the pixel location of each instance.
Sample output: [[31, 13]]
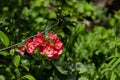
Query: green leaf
[[61, 70], [4, 53], [113, 76], [52, 14], [112, 21], [62, 67], [82, 78], [2, 77], [25, 67], [16, 60], [17, 72], [81, 68], [4, 38], [106, 70], [12, 52], [81, 8], [29, 77], [115, 63], [39, 19], [8, 69]]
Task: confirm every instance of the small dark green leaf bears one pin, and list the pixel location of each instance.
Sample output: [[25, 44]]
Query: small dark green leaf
[[4, 38], [61, 70], [17, 71], [62, 67], [25, 67]]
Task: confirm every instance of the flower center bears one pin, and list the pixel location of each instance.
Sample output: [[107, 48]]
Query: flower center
[[48, 48]]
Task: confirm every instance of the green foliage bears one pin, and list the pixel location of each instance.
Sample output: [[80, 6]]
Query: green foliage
[[29, 77], [4, 39], [90, 34], [16, 60], [4, 53], [2, 77]]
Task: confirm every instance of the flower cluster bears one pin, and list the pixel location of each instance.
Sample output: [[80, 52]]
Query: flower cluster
[[52, 49]]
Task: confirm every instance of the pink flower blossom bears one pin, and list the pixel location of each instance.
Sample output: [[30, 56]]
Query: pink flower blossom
[[40, 48], [39, 39], [53, 36], [21, 49], [58, 44], [52, 49], [57, 53], [49, 50], [29, 46]]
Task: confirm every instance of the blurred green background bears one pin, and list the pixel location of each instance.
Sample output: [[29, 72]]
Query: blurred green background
[[89, 29]]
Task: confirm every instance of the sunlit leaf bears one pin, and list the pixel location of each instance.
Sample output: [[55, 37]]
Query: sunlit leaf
[[4, 38], [2, 77], [116, 63], [12, 52], [29, 77], [113, 76]]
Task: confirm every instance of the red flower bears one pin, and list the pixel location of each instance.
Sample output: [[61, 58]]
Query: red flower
[[57, 53], [52, 49], [58, 44], [39, 39], [53, 36], [30, 46], [40, 48], [21, 50], [49, 50]]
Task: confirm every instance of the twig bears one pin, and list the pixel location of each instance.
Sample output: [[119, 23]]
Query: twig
[[29, 37]]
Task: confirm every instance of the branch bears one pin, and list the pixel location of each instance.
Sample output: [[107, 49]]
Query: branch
[[29, 37]]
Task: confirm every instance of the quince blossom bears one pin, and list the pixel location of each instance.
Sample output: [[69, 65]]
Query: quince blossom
[[30, 46], [53, 36], [39, 39], [52, 49], [21, 49]]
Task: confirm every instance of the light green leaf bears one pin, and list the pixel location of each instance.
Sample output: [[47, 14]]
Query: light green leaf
[[16, 60], [39, 19], [115, 63], [112, 21], [113, 76], [12, 52], [2, 77], [29, 77], [82, 78], [4, 53], [82, 70], [52, 14], [4, 38]]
